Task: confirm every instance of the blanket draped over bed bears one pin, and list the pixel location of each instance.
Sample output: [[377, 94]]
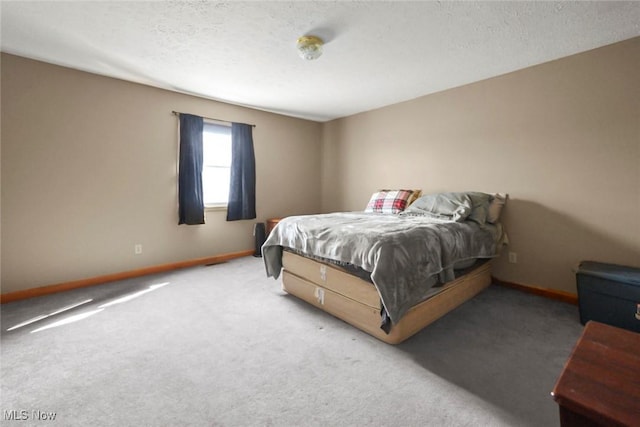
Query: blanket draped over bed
[[402, 252]]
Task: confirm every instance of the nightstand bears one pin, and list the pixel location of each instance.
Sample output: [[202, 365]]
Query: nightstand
[[271, 223], [600, 383]]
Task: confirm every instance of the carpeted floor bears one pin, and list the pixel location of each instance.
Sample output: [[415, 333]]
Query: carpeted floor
[[223, 346]]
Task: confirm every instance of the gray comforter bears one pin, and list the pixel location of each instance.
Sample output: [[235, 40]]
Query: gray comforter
[[402, 253]]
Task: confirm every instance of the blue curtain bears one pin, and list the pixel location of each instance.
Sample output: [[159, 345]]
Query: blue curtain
[[242, 189], [190, 199]]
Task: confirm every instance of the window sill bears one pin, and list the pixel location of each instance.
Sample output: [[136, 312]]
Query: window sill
[[213, 208]]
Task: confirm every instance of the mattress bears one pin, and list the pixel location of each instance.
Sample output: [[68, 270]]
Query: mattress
[[405, 255]]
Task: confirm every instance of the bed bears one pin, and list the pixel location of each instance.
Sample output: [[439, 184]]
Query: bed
[[392, 269]]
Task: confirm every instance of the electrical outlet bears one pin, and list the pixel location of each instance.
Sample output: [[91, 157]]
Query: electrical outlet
[[137, 249], [513, 257]]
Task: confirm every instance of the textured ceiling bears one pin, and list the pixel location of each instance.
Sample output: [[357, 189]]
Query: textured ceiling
[[376, 53]]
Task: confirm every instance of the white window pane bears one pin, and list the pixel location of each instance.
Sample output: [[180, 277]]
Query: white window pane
[[216, 141], [216, 150], [215, 185], [216, 147]]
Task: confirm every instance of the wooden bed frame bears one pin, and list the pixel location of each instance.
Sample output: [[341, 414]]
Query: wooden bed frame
[[357, 302]]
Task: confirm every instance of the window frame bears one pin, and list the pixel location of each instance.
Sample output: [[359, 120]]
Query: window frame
[[218, 206]]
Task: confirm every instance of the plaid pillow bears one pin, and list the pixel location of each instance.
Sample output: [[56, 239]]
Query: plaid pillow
[[389, 201]]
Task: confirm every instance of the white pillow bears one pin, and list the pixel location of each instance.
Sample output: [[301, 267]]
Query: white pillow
[[495, 207]]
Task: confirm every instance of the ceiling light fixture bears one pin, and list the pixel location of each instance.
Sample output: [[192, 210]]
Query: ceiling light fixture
[[310, 47]]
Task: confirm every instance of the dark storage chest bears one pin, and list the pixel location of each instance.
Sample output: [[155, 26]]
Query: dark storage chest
[[610, 294]]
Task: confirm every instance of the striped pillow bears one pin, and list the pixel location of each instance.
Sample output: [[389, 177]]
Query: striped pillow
[[390, 201]]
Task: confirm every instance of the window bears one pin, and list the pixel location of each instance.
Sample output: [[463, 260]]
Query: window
[[216, 154]]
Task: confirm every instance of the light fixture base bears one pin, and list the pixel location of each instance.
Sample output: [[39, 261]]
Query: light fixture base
[[309, 47]]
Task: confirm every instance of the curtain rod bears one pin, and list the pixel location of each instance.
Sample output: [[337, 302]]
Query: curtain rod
[[177, 113]]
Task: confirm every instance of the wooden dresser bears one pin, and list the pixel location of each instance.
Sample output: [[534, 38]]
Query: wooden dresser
[[600, 383]]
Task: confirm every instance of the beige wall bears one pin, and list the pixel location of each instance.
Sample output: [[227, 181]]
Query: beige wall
[[89, 170], [562, 138], [89, 166]]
